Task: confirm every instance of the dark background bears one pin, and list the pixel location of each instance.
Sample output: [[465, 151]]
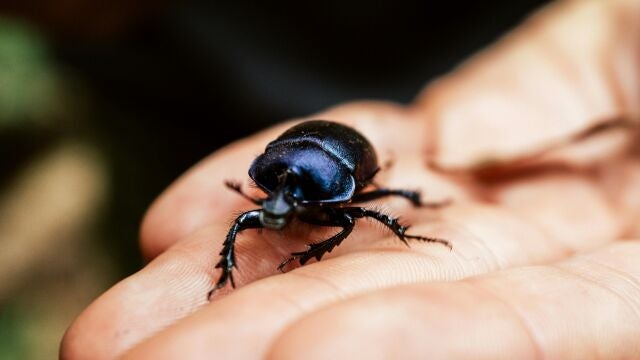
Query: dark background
[[154, 86]]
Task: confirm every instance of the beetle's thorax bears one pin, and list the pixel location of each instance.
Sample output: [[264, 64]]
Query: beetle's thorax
[[331, 161]]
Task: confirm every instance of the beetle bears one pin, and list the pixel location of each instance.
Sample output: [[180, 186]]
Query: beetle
[[313, 172]]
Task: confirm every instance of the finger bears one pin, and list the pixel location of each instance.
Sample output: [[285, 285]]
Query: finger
[[556, 311], [483, 240], [169, 288], [540, 85], [199, 197]]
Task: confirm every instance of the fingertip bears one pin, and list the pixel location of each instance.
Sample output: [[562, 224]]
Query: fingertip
[[199, 197]]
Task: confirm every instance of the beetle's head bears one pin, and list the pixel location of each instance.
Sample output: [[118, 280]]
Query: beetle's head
[[278, 208]]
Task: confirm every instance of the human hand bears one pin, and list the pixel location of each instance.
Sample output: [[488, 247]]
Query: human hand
[[538, 266]]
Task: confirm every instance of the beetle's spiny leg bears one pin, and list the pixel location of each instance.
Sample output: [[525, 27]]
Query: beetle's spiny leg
[[237, 187], [317, 250], [430, 239], [414, 196], [247, 220], [394, 225]]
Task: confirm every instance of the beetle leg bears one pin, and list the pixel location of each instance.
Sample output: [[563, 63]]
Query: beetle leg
[[413, 196], [393, 224], [317, 250], [235, 186], [247, 220]]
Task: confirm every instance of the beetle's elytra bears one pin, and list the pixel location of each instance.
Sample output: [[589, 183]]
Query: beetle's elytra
[[313, 172]]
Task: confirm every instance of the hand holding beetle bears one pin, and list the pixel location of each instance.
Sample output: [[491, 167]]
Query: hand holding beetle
[[539, 267]]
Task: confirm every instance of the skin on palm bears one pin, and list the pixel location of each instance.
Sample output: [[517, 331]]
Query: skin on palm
[[496, 228], [525, 312]]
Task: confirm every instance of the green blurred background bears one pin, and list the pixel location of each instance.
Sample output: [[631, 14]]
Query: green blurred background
[[102, 106]]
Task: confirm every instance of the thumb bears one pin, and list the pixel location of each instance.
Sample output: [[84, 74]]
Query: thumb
[[568, 68]]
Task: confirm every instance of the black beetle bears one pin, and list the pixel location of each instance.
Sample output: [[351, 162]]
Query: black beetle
[[312, 172]]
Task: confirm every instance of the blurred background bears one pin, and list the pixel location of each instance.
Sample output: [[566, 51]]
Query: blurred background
[[102, 105]]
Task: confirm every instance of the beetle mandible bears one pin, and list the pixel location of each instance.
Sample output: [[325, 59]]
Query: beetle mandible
[[312, 172]]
